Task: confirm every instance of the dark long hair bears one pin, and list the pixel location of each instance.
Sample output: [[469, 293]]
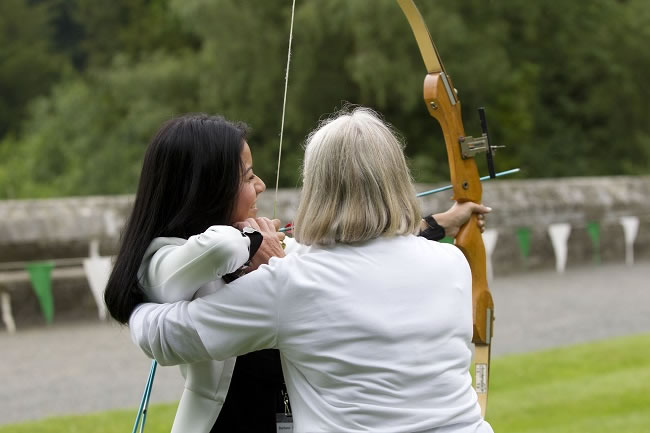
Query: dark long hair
[[190, 180]]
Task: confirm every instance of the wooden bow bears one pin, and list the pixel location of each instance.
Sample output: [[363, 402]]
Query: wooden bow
[[442, 101]]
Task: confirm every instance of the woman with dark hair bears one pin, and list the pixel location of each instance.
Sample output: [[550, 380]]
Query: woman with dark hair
[[197, 180]]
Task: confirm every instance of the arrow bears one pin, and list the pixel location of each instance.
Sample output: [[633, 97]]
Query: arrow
[[445, 188]]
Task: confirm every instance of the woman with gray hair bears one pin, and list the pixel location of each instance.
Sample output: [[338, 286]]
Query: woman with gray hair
[[373, 323]]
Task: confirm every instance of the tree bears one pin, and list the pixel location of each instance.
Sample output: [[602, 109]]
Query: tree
[[563, 83], [89, 137], [29, 64]]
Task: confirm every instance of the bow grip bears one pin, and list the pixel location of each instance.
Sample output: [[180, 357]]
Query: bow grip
[[470, 242]]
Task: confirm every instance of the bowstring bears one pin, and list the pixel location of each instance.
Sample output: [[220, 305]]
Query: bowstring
[[284, 108]]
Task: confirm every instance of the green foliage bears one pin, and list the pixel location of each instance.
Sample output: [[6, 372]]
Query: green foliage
[[563, 83], [596, 388], [90, 136], [590, 102], [28, 63], [92, 33]]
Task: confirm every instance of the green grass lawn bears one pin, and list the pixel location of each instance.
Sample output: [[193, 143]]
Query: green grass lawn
[[591, 388]]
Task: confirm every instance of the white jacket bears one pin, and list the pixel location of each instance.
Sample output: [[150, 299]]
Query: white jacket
[[175, 269], [373, 337]]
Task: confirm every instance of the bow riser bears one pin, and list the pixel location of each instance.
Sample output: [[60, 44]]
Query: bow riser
[[467, 187], [463, 172]]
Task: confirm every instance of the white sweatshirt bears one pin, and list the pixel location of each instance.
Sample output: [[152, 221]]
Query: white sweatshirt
[[373, 337]]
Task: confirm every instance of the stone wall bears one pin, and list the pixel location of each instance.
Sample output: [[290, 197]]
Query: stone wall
[[60, 228], [63, 228]]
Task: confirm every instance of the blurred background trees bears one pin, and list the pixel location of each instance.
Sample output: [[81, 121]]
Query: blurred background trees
[[85, 84]]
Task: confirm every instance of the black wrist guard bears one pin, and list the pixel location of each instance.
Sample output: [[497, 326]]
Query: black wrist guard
[[434, 231], [256, 239]]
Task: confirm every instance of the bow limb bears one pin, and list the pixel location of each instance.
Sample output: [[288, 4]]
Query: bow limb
[[443, 104]]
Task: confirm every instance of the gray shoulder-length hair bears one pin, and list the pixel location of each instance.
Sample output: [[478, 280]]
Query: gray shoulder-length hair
[[356, 183]]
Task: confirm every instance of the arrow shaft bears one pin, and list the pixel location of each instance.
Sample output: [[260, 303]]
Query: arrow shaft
[[484, 178]]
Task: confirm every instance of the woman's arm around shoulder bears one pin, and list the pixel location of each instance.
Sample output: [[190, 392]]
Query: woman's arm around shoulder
[[241, 317]]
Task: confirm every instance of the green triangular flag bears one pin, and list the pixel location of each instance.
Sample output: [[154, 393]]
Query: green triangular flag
[[523, 236], [593, 228], [40, 275]]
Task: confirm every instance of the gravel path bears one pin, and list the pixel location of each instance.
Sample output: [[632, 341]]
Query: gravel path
[[87, 366]]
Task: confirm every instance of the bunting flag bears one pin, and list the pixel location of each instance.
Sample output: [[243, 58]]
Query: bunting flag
[[98, 270], [523, 237], [40, 274], [490, 237], [630, 229], [593, 228], [559, 234]]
